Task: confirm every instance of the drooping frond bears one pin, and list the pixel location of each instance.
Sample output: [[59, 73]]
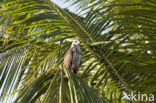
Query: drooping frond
[[118, 44]]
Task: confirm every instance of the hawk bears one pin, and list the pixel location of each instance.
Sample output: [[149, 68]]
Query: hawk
[[73, 57]]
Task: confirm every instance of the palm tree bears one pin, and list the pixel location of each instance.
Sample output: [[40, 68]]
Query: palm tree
[[118, 44]]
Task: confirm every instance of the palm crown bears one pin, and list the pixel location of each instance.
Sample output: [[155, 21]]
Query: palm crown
[[118, 44]]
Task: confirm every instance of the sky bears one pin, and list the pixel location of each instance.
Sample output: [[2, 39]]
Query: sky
[[73, 9], [64, 5]]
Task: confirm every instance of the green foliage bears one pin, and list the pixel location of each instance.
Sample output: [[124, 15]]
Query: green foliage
[[118, 44]]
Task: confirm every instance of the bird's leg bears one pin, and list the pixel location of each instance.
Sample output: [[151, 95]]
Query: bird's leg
[[72, 70]]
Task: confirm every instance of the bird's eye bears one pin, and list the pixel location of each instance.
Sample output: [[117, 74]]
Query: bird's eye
[[75, 41]]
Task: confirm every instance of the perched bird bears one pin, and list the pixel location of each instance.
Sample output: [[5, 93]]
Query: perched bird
[[73, 57]]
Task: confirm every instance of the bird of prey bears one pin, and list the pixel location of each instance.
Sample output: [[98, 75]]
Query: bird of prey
[[73, 57]]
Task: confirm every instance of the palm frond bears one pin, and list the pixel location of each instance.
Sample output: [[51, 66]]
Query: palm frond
[[118, 42]]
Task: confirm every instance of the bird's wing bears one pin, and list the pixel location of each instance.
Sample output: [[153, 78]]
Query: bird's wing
[[79, 56], [79, 61], [68, 58]]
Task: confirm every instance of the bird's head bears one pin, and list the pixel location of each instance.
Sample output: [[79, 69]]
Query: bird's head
[[75, 43]]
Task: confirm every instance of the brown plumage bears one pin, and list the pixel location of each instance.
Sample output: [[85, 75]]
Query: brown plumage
[[73, 57]]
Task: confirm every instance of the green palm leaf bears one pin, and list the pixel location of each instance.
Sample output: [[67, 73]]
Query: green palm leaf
[[118, 43]]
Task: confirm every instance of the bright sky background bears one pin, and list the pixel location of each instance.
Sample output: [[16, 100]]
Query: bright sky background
[[64, 5], [67, 5]]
